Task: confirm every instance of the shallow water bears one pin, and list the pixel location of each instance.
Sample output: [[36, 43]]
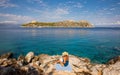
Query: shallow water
[[98, 44]]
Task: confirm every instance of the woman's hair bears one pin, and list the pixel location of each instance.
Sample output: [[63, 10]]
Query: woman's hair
[[65, 53]]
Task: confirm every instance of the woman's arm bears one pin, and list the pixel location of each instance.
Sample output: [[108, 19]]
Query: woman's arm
[[65, 60]]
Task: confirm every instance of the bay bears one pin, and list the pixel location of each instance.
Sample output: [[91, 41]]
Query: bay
[[98, 44]]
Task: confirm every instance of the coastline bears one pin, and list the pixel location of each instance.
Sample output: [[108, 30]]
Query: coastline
[[43, 64], [54, 27]]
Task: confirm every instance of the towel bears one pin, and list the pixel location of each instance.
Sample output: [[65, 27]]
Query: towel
[[63, 68]]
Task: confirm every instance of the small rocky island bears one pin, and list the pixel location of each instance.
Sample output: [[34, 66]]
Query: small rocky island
[[67, 23], [43, 64]]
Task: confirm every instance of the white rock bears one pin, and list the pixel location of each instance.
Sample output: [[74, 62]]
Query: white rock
[[29, 56]]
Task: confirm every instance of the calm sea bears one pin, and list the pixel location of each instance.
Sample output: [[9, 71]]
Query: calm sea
[[98, 44]]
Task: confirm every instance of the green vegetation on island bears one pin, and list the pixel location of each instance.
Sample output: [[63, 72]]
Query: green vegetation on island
[[67, 23]]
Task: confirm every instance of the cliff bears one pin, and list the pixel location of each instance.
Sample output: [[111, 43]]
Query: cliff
[[67, 23], [43, 64]]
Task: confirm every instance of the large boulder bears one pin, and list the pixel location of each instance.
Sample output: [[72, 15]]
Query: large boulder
[[29, 57]]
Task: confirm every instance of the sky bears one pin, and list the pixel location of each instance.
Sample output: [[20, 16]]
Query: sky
[[97, 12]]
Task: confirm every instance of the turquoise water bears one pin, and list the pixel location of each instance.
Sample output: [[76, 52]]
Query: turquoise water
[[98, 44]]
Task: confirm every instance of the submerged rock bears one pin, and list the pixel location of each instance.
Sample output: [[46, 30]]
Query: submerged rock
[[116, 48]]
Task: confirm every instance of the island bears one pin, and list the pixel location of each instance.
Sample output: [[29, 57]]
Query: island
[[66, 23]]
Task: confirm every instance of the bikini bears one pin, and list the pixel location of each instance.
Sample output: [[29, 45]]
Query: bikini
[[67, 62]]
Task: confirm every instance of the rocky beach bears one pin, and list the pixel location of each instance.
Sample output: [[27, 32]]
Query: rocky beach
[[43, 64]]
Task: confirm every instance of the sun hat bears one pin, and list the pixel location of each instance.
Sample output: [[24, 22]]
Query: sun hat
[[65, 53]]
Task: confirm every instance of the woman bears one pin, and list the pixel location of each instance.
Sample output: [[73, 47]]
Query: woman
[[63, 64]]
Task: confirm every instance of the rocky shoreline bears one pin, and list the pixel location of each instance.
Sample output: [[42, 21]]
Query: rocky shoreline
[[43, 64]]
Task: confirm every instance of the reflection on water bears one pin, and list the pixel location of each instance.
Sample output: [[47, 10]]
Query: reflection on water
[[35, 32]]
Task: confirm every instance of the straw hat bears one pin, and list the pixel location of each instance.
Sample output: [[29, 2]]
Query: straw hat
[[65, 53]]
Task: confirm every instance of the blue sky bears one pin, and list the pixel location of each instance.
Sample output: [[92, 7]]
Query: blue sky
[[98, 12]]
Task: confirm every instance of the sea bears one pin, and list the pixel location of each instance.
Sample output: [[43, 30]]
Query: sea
[[99, 44]]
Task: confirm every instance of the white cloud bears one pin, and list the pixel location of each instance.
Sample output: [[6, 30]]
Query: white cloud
[[6, 3], [61, 11], [50, 14], [71, 4], [112, 9], [40, 2], [8, 22], [11, 18], [78, 5], [56, 14], [118, 3]]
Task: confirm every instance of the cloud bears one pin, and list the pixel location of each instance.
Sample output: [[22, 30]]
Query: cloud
[[11, 18], [50, 14], [78, 5], [55, 14], [6, 3], [40, 2], [61, 11], [8, 22], [118, 3], [71, 4]]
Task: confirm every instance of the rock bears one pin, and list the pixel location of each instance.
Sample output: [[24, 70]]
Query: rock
[[8, 62], [45, 65], [11, 71], [83, 73], [2, 60], [113, 69], [36, 58], [96, 70], [114, 60], [21, 61], [38, 68], [7, 56], [62, 73], [29, 57], [117, 48], [32, 70]]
